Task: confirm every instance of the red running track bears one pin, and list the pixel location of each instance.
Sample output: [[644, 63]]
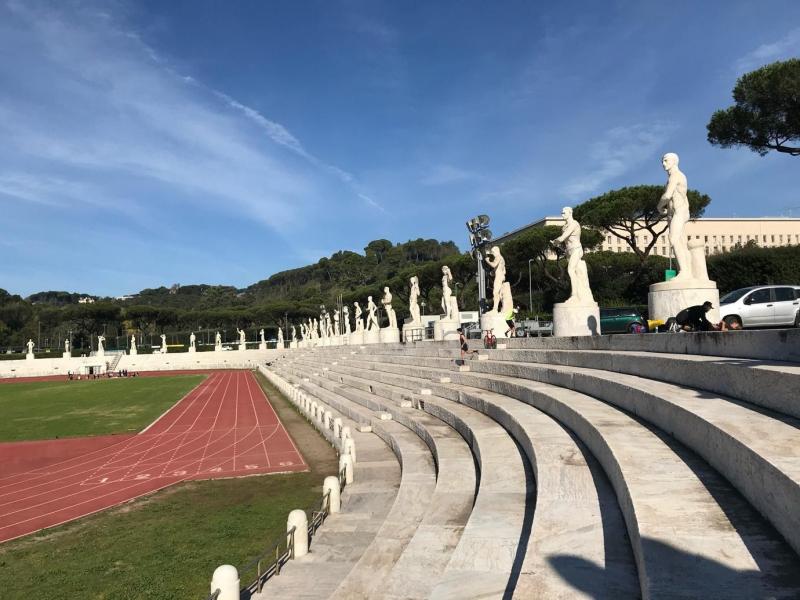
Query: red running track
[[225, 427]]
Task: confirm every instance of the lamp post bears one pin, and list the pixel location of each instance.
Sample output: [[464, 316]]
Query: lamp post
[[479, 236], [530, 286]]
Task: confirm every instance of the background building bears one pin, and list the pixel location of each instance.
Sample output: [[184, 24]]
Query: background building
[[718, 234]]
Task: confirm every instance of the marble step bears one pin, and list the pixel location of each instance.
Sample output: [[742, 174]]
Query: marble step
[[757, 450], [413, 501], [571, 489], [658, 483], [344, 538]]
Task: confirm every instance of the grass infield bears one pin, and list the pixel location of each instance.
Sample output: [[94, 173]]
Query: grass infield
[[55, 409], [167, 545]]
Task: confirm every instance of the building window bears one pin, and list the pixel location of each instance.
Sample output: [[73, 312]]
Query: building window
[[764, 239], [706, 240], [731, 239], [780, 238], [739, 238]]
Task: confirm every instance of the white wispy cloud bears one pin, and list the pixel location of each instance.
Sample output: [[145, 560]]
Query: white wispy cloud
[[786, 47], [90, 114], [446, 174], [620, 150]]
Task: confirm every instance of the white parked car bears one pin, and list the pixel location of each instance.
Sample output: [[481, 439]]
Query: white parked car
[[762, 306]]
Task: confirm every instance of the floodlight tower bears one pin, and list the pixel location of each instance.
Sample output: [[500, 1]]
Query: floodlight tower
[[479, 236]]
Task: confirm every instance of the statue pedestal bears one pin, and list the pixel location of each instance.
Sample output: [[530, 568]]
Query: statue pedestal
[[29, 357], [667, 298], [390, 335], [66, 355], [356, 338], [294, 345], [444, 330], [574, 319], [192, 349], [98, 354], [217, 348], [413, 332], [133, 352], [495, 322], [372, 336], [262, 345], [242, 347]]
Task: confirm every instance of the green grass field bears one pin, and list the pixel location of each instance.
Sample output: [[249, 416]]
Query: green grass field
[[55, 409], [166, 546]]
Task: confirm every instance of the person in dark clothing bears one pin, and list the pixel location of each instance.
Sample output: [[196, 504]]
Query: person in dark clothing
[[694, 318], [462, 341]]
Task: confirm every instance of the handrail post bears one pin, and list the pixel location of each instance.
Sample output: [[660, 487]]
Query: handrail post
[[297, 533], [331, 489]]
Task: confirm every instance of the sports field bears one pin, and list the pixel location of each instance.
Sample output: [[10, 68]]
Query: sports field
[[165, 545], [56, 409]]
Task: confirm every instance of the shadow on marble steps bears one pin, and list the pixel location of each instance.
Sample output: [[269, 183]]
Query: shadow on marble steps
[[747, 552]]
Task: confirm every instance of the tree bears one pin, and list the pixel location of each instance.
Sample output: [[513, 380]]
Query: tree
[[630, 211], [766, 115]]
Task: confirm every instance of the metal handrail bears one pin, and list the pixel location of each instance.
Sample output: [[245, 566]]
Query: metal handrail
[[214, 595], [274, 567]]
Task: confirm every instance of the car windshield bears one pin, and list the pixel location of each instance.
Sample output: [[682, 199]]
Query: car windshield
[[733, 296]]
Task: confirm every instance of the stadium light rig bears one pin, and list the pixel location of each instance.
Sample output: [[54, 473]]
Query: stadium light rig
[[479, 236]]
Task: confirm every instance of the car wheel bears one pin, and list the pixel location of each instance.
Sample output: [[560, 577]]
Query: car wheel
[[729, 321], [519, 333]]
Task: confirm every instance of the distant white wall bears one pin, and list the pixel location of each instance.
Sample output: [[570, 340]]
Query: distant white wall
[[236, 359]]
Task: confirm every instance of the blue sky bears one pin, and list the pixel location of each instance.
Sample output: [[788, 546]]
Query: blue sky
[[148, 143]]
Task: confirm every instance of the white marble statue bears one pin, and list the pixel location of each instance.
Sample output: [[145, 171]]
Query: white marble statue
[[66, 345], [449, 301], [100, 340], [346, 316], [357, 312], [576, 267], [496, 261], [372, 315], [30, 346], [328, 325], [413, 302], [163, 344], [261, 335], [294, 334], [336, 330], [674, 204], [133, 343], [386, 301], [280, 337], [242, 336], [315, 329], [192, 340], [218, 340]]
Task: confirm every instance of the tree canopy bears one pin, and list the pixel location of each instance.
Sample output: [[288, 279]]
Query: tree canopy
[[766, 113], [630, 211]]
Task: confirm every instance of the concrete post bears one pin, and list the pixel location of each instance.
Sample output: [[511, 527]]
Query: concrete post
[[328, 421], [298, 520], [313, 414], [349, 447], [226, 580], [346, 432], [346, 463], [331, 484], [337, 427]]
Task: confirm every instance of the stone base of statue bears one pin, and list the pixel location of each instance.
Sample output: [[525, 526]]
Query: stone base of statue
[[262, 345], [576, 319], [29, 357], [356, 338], [242, 347], [66, 354], [372, 336], [495, 322], [217, 348], [98, 354], [294, 345], [445, 330], [133, 352], [390, 335], [667, 298], [192, 349]]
